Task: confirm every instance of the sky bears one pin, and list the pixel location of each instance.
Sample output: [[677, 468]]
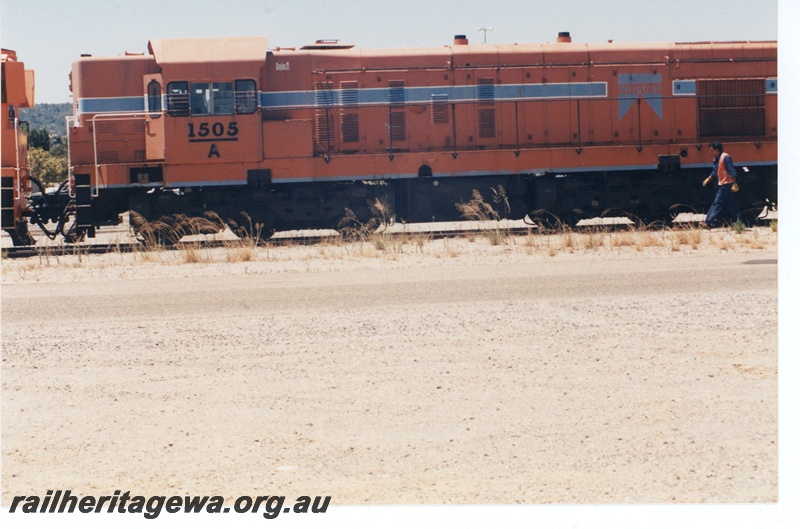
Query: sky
[[49, 34]]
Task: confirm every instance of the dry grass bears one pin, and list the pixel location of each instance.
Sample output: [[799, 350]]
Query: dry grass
[[691, 237], [478, 209], [754, 242], [420, 240], [449, 250], [624, 238], [365, 245], [238, 254]]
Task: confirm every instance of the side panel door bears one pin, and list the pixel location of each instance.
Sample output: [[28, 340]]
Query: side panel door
[[154, 123]]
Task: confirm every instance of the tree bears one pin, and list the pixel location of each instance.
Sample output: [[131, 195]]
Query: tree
[[39, 139], [49, 169]]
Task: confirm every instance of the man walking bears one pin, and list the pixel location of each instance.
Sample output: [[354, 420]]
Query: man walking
[[725, 172]]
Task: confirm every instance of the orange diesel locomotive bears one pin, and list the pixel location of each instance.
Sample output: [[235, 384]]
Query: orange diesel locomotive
[[289, 138], [17, 94]]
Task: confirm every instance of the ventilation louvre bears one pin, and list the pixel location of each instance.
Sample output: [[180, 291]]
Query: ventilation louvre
[[731, 107]]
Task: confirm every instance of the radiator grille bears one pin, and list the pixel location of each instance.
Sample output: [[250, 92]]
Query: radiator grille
[[397, 93], [440, 108], [349, 99], [350, 132], [486, 120], [397, 116], [486, 90], [349, 93], [323, 99], [106, 127], [731, 107], [486, 114], [105, 157], [397, 121]]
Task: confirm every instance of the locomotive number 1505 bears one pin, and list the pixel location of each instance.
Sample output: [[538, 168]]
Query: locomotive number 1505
[[213, 133], [216, 131]]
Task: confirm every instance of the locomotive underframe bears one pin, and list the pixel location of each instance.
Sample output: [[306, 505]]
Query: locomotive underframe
[[263, 207]]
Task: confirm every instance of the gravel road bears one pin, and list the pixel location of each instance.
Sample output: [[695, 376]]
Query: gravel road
[[637, 380]]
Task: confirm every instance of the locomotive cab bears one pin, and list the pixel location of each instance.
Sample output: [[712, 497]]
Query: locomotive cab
[[195, 129], [18, 90], [210, 111]]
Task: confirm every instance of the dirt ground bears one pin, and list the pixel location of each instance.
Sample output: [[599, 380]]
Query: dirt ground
[[570, 368]]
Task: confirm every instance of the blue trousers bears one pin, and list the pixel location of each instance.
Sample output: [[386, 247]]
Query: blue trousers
[[723, 203]]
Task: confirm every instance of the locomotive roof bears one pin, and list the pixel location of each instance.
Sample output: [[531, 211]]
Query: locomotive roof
[[216, 50], [247, 54], [224, 56]]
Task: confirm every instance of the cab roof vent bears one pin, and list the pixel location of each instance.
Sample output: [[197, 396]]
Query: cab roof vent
[[328, 44]]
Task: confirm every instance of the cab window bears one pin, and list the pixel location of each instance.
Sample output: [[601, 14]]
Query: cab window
[[178, 98], [154, 97], [212, 99], [246, 96]]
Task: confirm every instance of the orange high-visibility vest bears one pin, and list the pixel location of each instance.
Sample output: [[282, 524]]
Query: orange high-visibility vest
[[722, 172]]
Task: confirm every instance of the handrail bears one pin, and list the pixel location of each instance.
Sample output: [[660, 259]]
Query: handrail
[[70, 190], [17, 170]]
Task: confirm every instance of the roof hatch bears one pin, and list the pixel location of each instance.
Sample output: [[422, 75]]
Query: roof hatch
[[328, 44]]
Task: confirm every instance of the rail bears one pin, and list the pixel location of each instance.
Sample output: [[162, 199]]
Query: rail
[[278, 240]]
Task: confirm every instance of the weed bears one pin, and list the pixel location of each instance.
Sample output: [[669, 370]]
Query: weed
[[496, 236], [593, 240], [420, 240], [688, 237], [238, 254], [387, 242], [546, 222], [191, 254], [448, 250], [477, 209], [530, 240], [626, 238], [249, 233], [649, 239], [353, 229]]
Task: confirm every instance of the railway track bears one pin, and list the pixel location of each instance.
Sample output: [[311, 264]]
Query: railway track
[[289, 238], [432, 230]]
